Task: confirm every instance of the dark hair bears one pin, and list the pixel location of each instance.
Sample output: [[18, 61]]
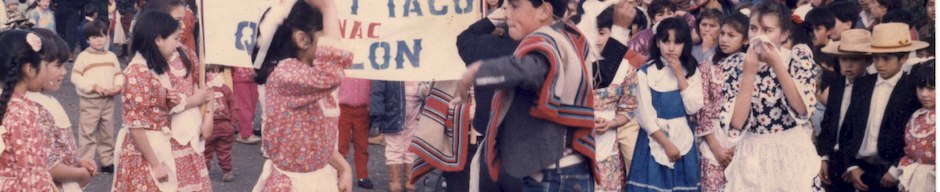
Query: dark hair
[[606, 18], [96, 28], [898, 16], [162, 5], [166, 6], [783, 14], [845, 11], [658, 6], [150, 26], [801, 34], [682, 35], [559, 7], [14, 54], [821, 16], [891, 4], [55, 49], [641, 20], [924, 74], [90, 10], [302, 17], [739, 22], [713, 14]]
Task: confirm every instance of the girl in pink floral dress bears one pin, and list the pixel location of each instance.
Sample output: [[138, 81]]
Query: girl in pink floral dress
[[147, 156], [70, 173], [918, 166], [302, 114], [717, 143], [24, 151]]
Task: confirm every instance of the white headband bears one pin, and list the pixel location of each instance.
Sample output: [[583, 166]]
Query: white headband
[[273, 19]]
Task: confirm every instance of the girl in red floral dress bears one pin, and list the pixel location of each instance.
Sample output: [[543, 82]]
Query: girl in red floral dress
[[69, 173], [918, 166], [24, 151], [147, 156], [300, 79]]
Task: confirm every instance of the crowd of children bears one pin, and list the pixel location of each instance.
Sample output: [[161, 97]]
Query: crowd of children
[[661, 95]]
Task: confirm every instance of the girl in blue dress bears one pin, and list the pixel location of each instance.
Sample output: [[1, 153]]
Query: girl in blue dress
[[670, 91]]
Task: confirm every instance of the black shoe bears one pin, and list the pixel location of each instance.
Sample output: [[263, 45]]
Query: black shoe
[[107, 169], [365, 183]]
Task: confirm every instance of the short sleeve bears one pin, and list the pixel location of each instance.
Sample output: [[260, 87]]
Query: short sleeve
[[803, 70], [142, 97]]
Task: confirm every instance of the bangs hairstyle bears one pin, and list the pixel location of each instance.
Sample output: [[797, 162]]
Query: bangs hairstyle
[[303, 18], [682, 35], [659, 6], [150, 26], [55, 49], [771, 8], [14, 54], [821, 16], [95, 28], [606, 18], [738, 22], [925, 74], [713, 14]]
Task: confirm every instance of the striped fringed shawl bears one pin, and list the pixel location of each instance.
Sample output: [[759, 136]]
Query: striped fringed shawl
[[566, 96], [442, 136]]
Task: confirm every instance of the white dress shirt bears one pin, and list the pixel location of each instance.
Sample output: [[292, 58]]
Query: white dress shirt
[[879, 101]]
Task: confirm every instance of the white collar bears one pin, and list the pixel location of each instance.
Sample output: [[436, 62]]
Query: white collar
[[891, 81]]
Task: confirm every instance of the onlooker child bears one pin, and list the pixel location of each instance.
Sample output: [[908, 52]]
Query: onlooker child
[[98, 78], [872, 136], [852, 65], [354, 126], [717, 143], [225, 115], [42, 16], [669, 87], [776, 96], [246, 95], [91, 14], [918, 166]]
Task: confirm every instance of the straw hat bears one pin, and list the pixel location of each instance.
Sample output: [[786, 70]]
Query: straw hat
[[850, 39], [891, 38]]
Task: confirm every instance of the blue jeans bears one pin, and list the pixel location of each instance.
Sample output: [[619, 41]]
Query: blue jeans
[[571, 178]]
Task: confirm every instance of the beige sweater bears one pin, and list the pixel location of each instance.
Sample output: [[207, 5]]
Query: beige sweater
[[92, 69]]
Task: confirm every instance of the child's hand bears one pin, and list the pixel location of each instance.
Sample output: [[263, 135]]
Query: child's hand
[[321, 4], [768, 54], [672, 152], [173, 98], [888, 180], [115, 91], [89, 166], [160, 172], [202, 96], [345, 180], [675, 65], [206, 127], [463, 85], [722, 155], [601, 125]]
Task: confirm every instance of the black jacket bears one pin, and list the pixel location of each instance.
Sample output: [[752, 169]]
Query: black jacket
[[830, 124], [901, 105]]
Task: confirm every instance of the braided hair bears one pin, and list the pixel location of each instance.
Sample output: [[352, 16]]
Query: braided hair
[[15, 53]]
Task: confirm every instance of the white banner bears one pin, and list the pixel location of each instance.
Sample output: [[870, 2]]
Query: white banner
[[413, 40], [404, 40], [229, 27]]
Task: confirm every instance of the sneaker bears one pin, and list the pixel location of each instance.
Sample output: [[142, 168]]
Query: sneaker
[[251, 140], [107, 169], [228, 177], [365, 183]]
